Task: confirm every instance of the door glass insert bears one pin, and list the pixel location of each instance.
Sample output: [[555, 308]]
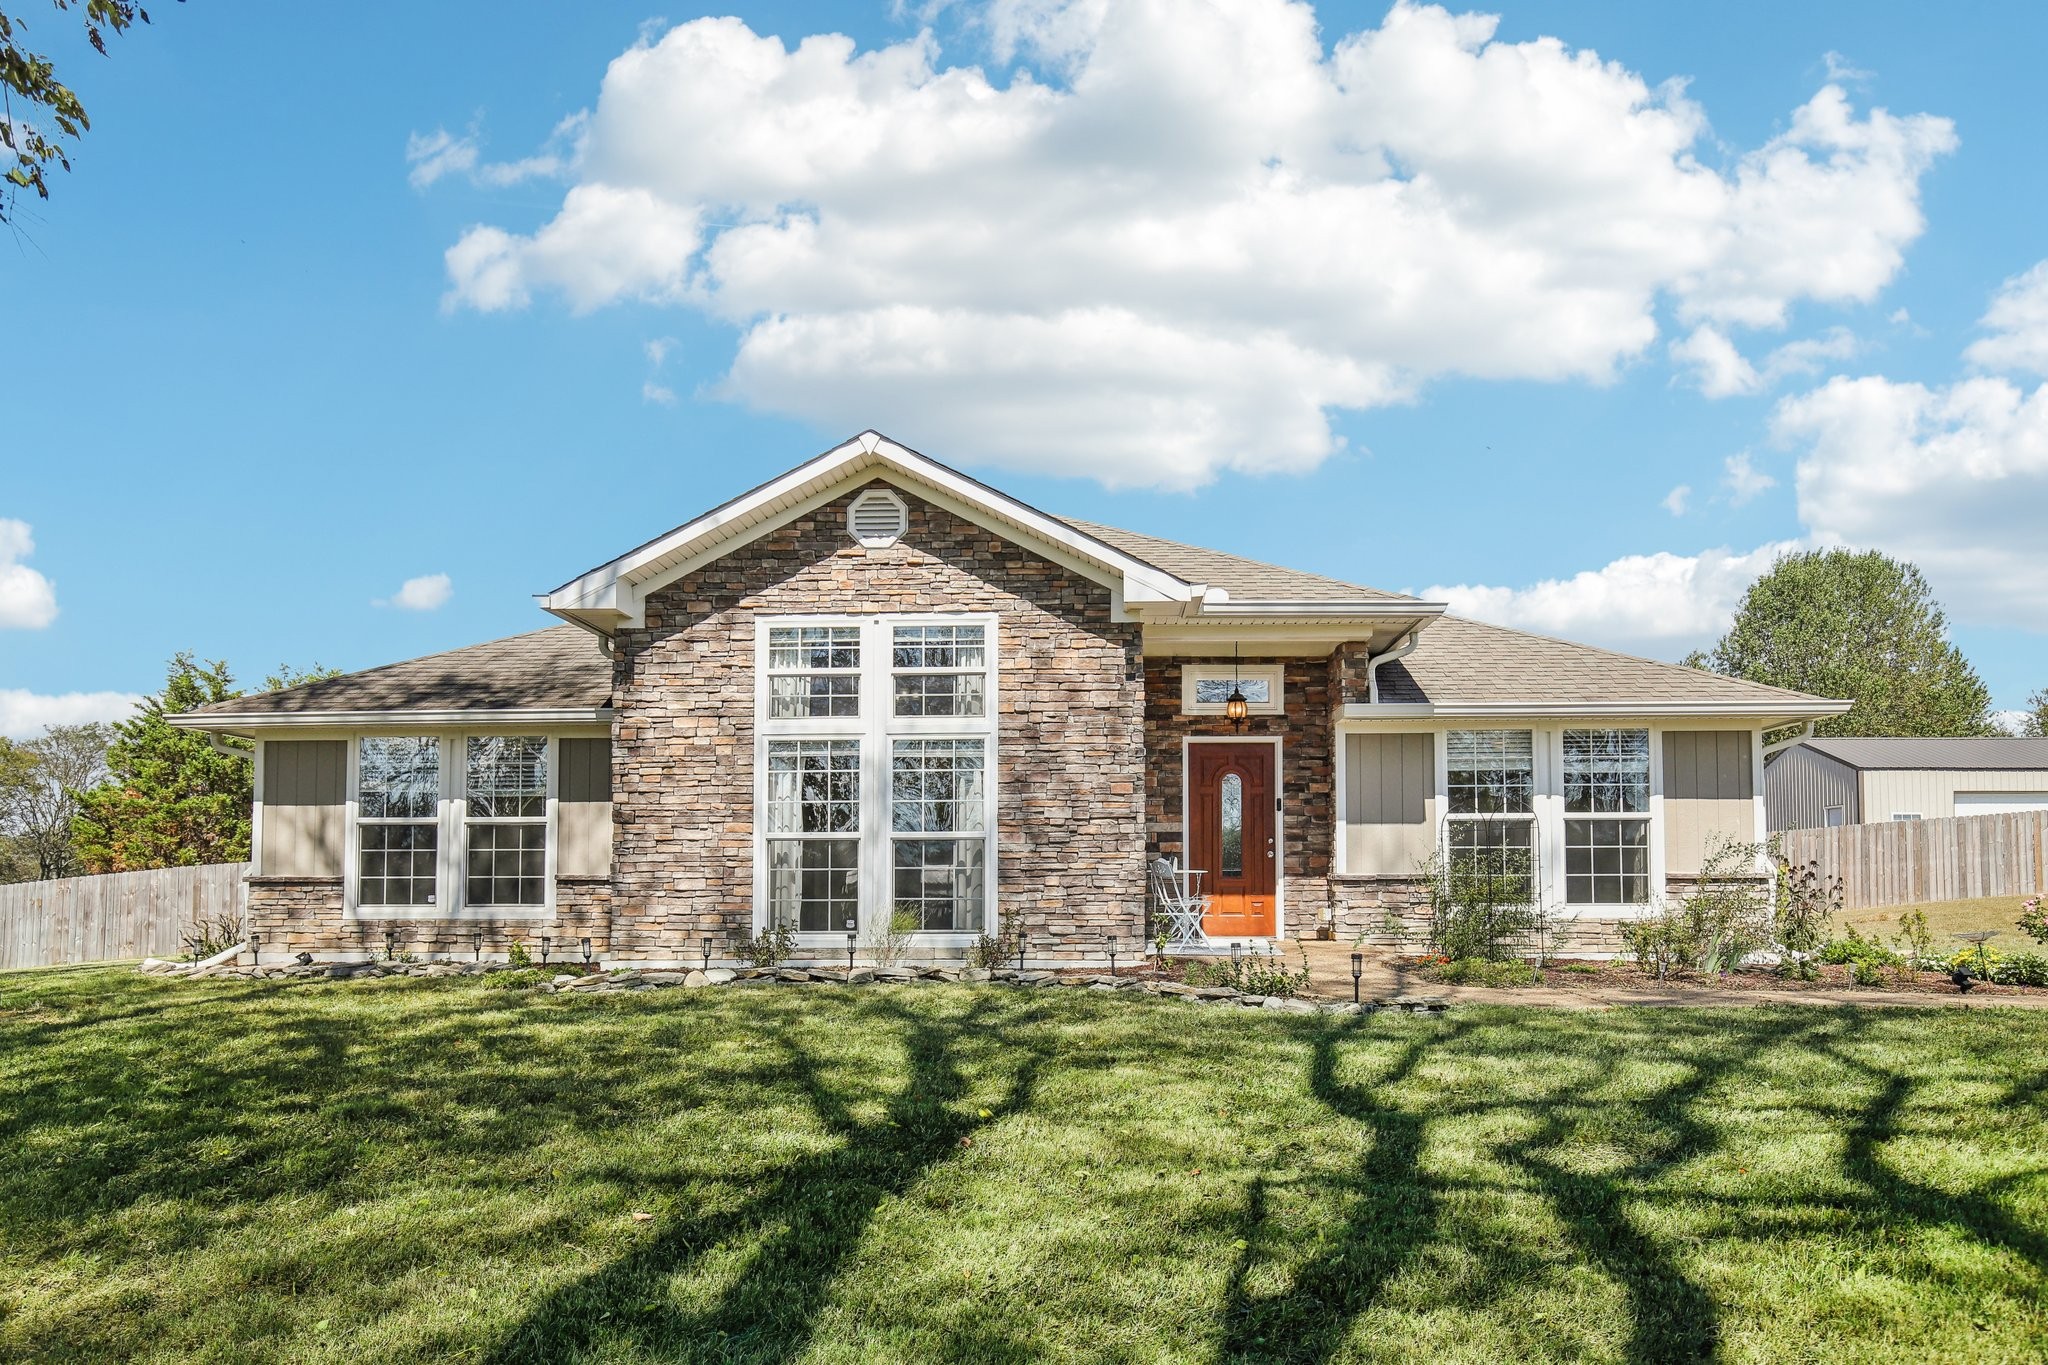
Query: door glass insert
[[1232, 803]]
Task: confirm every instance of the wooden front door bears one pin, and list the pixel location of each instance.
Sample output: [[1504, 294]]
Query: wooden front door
[[1231, 831]]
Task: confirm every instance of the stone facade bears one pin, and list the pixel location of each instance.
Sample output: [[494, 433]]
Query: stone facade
[[1069, 729], [304, 915]]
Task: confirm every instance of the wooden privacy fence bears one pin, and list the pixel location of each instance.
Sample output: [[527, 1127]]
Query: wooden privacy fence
[[1909, 862], [120, 915]]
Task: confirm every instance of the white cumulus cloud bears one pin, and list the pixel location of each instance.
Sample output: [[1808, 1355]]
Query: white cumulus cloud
[[2017, 323], [24, 714], [1659, 603], [1743, 480], [1676, 500], [28, 601], [1719, 370], [1206, 231], [425, 593]]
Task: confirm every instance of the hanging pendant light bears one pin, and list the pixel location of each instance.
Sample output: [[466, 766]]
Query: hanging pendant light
[[1234, 705]]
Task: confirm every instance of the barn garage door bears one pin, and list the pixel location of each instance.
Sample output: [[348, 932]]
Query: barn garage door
[[1999, 803]]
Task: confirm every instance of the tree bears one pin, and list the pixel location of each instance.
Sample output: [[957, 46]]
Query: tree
[[1838, 623], [171, 798], [29, 79], [2035, 726], [40, 782]]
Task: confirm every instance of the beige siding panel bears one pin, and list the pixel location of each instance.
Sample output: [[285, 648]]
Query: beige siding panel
[[304, 815], [586, 770], [1709, 794], [1931, 792], [584, 829], [1390, 803]]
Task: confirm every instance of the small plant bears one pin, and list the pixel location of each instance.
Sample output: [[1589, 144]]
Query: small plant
[[1477, 971], [1866, 973], [1254, 974], [1803, 904], [1915, 937], [1981, 960], [770, 947], [890, 941], [989, 952], [1581, 968], [1853, 948], [2021, 969], [210, 935], [1657, 944], [524, 978], [517, 955]]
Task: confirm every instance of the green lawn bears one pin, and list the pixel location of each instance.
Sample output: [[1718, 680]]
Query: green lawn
[[1945, 919], [407, 1170]]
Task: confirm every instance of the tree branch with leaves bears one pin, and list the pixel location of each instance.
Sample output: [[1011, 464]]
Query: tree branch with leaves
[[39, 114]]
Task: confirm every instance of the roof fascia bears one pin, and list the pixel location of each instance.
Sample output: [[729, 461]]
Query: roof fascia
[[1760, 711], [616, 591], [281, 720]]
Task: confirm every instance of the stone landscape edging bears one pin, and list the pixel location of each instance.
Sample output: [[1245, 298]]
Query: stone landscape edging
[[632, 979]]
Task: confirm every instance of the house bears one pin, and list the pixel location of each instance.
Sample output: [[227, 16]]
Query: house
[[1812, 783], [875, 685]]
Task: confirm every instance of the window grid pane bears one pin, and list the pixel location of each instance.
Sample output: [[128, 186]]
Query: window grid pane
[[814, 884], [1607, 771], [396, 864], [1490, 772], [507, 777], [507, 864], [1607, 862], [1496, 851], [940, 670], [813, 786], [398, 778], [939, 882], [936, 786], [814, 672]]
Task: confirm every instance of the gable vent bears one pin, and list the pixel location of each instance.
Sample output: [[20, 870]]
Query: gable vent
[[877, 518]]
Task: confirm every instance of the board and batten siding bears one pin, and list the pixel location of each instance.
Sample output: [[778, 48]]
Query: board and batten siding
[[305, 811], [583, 808], [1709, 794], [1390, 803], [1931, 792], [1799, 786]]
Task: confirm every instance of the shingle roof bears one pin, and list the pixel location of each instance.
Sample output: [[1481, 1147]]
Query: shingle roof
[[1981, 755], [1459, 660], [557, 668], [1246, 580]]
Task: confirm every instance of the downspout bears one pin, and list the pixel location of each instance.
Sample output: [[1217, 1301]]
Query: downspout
[[213, 738], [1372, 667], [1788, 743]]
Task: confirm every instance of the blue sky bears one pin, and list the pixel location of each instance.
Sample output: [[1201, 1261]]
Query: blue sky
[[1405, 313]]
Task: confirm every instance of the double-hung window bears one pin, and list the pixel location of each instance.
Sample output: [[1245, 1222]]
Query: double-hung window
[[938, 804], [814, 832], [1607, 817], [813, 671], [940, 670], [877, 758], [398, 844], [1490, 832], [505, 820]]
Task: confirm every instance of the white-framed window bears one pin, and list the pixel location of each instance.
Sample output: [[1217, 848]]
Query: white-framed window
[[398, 821], [1906, 815], [1831, 817], [813, 671], [880, 797], [1490, 805], [938, 818], [450, 826], [1206, 688], [505, 821], [814, 801], [1607, 817]]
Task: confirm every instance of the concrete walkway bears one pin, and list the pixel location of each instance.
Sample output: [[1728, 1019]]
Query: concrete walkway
[[1386, 976]]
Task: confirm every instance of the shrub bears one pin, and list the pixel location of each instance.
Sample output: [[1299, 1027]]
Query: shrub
[[989, 952], [1866, 973], [517, 954], [1477, 971], [1853, 947], [1803, 904], [519, 979], [1982, 959], [211, 934], [2022, 969], [1254, 974], [2033, 921], [769, 948], [1727, 915], [1482, 906]]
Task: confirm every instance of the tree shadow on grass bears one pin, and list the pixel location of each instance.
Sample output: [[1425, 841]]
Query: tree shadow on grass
[[808, 1217], [1390, 1213]]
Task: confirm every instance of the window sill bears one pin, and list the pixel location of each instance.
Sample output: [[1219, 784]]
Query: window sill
[[480, 913]]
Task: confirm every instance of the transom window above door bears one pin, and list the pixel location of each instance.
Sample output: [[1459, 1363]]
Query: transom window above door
[[1205, 688]]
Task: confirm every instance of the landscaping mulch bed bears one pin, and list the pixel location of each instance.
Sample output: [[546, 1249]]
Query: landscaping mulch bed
[[1615, 975]]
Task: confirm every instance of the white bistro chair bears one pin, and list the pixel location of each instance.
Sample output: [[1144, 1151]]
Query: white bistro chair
[[1176, 895]]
